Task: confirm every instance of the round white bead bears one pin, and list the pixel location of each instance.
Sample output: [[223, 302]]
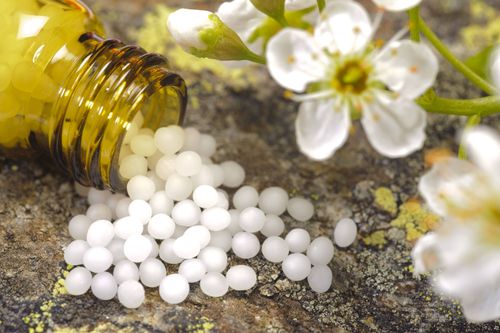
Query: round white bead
[[207, 145], [100, 233], [112, 203], [345, 232], [141, 210], [125, 270], [133, 165], [169, 140], [137, 248], [153, 160], [73, 253], [161, 204], [296, 266], [217, 174], [214, 284], [174, 289], [275, 249], [244, 197], [273, 200], [178, 187], [300, 209], [165, 167], [95, 196], [192, 139], [222, 201], [241, 277], [78, 226], [273, 226], [205, 196], [298, 240], [320, 278], [192, 269], [234, 174], [186, 248], [188, 163], [221, 239], [215, 219], [186, 213], [151, 272], [199, 233], [122, 207], [99, 211], [128, 226], [161, 226], [140, 187], [131, 294], [157, 181], [320, 251], [116, 249], [97, 259], [104, 286], [143, 145], [252, 219], [78, 281], [167, 253], [214, 259], [179, 231], [155, 248], [245, 245], [204, 177], [234, 227]]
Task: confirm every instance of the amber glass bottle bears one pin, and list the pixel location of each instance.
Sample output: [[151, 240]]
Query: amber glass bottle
[[68, 93]]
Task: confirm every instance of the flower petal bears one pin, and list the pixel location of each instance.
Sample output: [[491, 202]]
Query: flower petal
[[483, 306], [295, 60], [397, 5], [299, 4], [344, 27], [185, 26], [447, 183], [483, 147], [395, 128], [424, 253], [322, 126], [407, 67]]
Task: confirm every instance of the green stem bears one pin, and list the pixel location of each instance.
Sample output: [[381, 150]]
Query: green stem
[[414, 17], [462, 107], [253, 57], [321, 5], [454, 61]]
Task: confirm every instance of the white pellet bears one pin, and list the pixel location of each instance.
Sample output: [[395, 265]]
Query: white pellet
[[143, 145], [179, 231], [169, 140], [273, 200], [78, 281], [273, 226], [218, 174], [125, 270], [174, 288], [153, 160], [205, 196], [320, 278], [234, 174], [241, 277], [99, 211], [137, 248], [192, 269], [140, 187], [78, 227], [97, 259], [161, 204], [188, 163], [155, 248], [151, 272], [104, 286], [122, 207], [222, 200], [167, 253], [245, 245], [320, 251], [128, 226], [165, 167], [161, 226], [345, 232], [207, 145], [146, 131], [157, 181], [131, 294], [178, 187], [221, 239], [214, 284], [116, 249], [186, 213], [214, 259], [298, 240], [234, 227], [296, 266], [133, 165], [275, 249], [215, 219], [300, 209], [204, 177], [192, 139], [199, 233], [112, 203], [244, 197], [95, 196], [73, 253], [100, 233], [141, 210], [252, 219], [186, 248]]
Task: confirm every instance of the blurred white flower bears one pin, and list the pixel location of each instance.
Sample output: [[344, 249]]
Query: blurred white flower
[[185, 26], [343, 75], [397, 5], [495, 68], [464, 252]]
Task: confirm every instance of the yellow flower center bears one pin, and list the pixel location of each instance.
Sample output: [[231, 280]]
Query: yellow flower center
[[351, 77]]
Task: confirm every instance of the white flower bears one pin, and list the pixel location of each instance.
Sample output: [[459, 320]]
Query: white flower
[[495, 68], [185, 26], [397, 5], [465, 251], [344, 75]]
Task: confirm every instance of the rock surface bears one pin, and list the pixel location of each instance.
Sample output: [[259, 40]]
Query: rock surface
[[373, 286]]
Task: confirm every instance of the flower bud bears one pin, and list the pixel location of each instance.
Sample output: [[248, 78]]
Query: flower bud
[[272, 8]]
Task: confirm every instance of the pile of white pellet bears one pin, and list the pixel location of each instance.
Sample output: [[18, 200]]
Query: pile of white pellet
[[177, 211]]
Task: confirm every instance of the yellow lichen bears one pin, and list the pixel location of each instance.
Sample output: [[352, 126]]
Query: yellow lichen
[[376, 238], [485, 30], [384, 199], [415, 220], [100, 328], [36, 320]]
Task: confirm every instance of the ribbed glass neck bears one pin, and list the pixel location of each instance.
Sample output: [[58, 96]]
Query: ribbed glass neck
[[103, 92]]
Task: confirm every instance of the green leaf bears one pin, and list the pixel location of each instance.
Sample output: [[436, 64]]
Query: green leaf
[[321, 5], [479, 62]]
